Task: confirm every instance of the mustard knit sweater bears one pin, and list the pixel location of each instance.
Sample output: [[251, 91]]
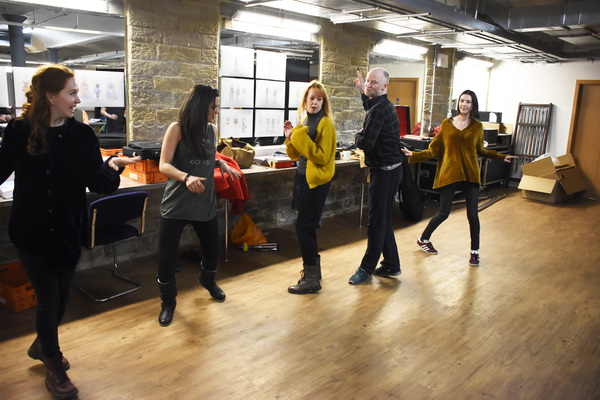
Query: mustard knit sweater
[[320, 154], [457, 151]]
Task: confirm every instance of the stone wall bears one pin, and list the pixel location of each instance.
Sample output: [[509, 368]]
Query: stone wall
[[438, 90], [171, 46], [344, 50]]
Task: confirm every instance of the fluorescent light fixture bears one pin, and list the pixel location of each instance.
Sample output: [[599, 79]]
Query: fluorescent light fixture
[[293, 6], [99, 6], [476, 62], [276, 22], [401, 46], [271, 31]]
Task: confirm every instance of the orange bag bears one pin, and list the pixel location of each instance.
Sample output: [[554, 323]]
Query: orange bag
[[247, 232]]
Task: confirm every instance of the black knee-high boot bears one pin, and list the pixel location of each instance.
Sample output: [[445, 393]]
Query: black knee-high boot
[[208, 280], [168, 294]]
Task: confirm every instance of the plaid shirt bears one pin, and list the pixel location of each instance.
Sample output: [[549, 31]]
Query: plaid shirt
[[380, 136]]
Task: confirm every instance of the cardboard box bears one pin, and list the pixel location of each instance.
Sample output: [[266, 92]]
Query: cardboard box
[[16, 291], [544, 181]]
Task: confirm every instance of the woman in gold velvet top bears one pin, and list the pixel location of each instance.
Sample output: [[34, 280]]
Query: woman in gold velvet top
[[456, 147]]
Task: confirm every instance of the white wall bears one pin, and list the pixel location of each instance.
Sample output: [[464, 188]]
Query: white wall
[[512, 83]]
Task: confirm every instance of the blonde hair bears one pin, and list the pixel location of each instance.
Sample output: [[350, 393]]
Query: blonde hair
[[318, 86]]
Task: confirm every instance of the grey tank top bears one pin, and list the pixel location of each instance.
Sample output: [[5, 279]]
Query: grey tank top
[[178, 202]]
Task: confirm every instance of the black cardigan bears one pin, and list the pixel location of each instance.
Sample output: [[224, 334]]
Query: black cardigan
[[49, 210]]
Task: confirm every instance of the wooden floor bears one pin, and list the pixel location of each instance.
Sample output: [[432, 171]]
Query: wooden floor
[[524, 325]]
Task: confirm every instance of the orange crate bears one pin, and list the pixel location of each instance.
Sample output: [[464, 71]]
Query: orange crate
[[16, 291], [145, 166], [110, 152], [143, 177]]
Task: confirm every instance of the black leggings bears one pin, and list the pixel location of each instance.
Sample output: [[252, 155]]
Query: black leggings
[[471, 191], [169, 235], [52, 291]]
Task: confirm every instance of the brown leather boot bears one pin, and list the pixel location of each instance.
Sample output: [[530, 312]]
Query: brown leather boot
[[309, 282], [57, 381], [35, 352]]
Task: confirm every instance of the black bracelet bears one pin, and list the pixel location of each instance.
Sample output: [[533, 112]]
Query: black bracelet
[[186, 178]]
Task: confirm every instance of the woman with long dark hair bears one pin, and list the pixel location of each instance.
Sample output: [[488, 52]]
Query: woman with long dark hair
[[456, 147], [54, 158], [188, 160]]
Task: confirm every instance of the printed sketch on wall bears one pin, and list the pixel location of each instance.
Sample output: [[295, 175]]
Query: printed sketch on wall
[[295, 94], [237, 62], [270, 65], [270, 94], [96, 88], [21, 81], [269, 123], [235, 123], [100, 88], [237, 93], [4, 101]]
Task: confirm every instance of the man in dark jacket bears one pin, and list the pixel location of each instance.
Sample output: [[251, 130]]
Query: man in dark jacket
[[380, 141]]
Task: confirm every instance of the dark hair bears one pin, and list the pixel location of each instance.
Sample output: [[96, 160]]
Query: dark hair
[[193, 118], [475, 110], [49, 79]]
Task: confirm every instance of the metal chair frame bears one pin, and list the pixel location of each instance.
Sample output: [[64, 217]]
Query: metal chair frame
[[114, 271]]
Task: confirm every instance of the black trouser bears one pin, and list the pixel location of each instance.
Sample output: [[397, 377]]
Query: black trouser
[[310, 204], [52, 291], [169, 235], [471, 191], [383, 186]]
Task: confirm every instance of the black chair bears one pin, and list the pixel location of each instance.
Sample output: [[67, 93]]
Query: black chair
[[108, 220]]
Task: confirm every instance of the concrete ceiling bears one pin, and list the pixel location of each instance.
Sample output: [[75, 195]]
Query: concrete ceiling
[[525, 30], [93, 39]]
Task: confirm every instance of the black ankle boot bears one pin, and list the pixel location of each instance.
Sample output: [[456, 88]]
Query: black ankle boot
[[208, 280], [57, 381], [168, 293]]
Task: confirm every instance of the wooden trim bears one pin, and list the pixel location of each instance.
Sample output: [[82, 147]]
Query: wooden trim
[[578, 86]]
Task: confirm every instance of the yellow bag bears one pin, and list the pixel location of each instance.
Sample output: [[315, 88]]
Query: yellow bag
[[247, 232], [240, 151]]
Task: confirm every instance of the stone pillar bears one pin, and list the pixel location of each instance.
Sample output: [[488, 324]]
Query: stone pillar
[[344, 50], [437, 97], [16, 39], [171, 46]]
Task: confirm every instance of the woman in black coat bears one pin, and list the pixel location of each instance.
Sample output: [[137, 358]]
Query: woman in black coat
[[54, 158]]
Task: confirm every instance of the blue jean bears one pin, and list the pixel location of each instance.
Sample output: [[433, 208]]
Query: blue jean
[[383, 186], [169, 235]]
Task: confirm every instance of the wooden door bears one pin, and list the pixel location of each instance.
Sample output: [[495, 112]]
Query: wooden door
[[583, 135], [405, 92]]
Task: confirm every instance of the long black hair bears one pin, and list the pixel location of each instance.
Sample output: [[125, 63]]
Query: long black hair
[[193, 118], [475, 110]]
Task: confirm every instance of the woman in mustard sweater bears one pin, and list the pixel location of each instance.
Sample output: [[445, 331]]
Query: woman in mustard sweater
[[456, 147], [312, 143]]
